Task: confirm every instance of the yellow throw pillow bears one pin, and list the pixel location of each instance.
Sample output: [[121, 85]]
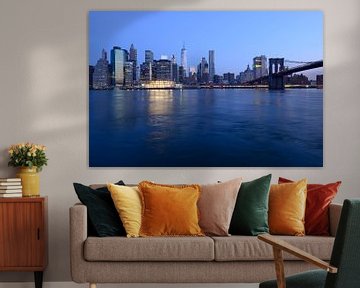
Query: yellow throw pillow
[[169, 210], [127, 201], [287, 204]]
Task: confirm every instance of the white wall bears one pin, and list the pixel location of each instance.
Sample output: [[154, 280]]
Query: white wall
[[43, 90]]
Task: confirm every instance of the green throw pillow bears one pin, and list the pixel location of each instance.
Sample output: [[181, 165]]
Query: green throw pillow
[[250, 215]]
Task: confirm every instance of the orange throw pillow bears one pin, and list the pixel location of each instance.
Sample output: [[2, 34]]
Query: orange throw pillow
[[287, 204], [169, 210], [319, 197]]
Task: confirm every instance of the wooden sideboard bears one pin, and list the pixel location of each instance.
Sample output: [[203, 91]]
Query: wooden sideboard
[[23, 235]]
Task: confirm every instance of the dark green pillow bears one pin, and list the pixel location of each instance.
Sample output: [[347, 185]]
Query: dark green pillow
[[103, 218], [250, 216]]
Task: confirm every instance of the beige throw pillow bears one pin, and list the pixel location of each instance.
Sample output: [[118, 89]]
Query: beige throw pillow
[[216, 206]]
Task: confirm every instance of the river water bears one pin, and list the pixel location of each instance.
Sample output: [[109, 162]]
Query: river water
[[206, 128]]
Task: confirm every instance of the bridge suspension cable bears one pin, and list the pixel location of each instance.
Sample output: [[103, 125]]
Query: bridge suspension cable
[[297, 62]]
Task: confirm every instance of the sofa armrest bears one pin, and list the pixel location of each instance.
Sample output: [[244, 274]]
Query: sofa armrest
[[78, 235], [334, 217]]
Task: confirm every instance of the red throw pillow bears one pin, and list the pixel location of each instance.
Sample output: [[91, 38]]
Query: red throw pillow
[[319, 197]]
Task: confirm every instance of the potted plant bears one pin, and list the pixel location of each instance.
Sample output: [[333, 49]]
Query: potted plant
[[30, 158]]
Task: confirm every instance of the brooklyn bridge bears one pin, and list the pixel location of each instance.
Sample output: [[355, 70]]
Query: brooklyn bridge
[[277, 72]]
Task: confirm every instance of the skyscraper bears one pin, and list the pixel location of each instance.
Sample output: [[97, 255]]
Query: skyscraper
[[147, 68], [163, 69], [260, 66], [174, 70], [129, 73], [203, 71], [184, 60], [211, 65], [149, 56], [101, 76], [146, 72], [133, 58], [118, 58], [181, 74]]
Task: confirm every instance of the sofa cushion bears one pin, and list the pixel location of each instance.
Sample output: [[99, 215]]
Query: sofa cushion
[[287, 204], [102, 216], [250, 215], [149, 249], [245, 248], [127, 201], [216, 206], [318, 199], [169, 210]]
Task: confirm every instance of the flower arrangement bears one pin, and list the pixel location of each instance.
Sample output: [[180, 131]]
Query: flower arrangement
[[27, 155]]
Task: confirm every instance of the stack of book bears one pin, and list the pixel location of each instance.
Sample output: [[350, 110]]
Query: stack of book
[[10, 187]]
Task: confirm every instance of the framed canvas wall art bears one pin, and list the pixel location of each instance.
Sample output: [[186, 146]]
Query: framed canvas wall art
[[205, 89]]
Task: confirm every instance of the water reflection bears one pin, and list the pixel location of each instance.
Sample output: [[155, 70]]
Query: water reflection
[[209, 127], [160, 105], [160, 102]]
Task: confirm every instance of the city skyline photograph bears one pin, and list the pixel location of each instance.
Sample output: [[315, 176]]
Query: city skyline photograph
[[205, 88], [234, 36]]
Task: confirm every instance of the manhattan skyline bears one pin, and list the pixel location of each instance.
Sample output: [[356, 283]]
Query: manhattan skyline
[[236, 36]]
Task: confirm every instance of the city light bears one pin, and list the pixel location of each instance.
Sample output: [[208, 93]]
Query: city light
[[158, 84]]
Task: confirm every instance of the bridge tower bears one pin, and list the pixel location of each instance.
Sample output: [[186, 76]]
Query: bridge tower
[[276, 82]]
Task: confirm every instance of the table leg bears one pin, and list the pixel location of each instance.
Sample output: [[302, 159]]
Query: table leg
[[38, 279]]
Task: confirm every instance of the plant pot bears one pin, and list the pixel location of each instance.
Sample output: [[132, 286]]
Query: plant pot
[[30, 181]]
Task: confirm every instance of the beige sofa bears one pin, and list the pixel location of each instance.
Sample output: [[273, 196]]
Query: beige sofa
[[234, 259]]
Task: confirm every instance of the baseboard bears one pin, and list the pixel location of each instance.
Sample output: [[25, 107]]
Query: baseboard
[[74, 285]]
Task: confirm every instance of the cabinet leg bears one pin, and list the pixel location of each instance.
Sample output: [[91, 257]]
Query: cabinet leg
[[92, 285], [38, 279]]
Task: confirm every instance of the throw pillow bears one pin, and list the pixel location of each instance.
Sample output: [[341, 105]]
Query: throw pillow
[[127, 201], [250, 215], [319, 197], [102, 215], [169, 210], [287, 208], [216, 206]]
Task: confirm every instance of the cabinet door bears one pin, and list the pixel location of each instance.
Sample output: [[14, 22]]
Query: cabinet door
[[21, 234]]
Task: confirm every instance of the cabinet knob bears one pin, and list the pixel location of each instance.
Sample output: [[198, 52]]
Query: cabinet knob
[[38, 234]]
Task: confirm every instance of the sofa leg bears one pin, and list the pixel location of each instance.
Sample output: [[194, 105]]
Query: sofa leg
[[92, 285]]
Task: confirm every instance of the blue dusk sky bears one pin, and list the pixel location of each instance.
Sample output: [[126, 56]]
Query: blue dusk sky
[[236, 36]]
